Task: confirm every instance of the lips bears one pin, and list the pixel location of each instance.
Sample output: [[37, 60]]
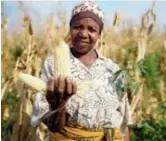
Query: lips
[[82, 41], [82, 44]]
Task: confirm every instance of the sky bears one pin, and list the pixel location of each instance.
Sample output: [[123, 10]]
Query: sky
[[40, 10]]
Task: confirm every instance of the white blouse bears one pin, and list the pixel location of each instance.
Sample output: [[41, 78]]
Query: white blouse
[[100, 107]]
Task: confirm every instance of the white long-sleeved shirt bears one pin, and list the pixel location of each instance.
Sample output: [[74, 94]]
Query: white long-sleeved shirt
[[100, 106]]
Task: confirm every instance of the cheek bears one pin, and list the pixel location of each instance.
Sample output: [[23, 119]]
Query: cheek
[[94, 38]]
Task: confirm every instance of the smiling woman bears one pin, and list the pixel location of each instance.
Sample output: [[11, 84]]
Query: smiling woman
[[99, 114], [84, 34]]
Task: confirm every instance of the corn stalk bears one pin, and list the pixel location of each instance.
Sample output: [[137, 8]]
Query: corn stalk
[[24, 63], [145, 30]]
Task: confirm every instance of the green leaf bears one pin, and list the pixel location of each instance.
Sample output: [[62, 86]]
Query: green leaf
[[116, 74]]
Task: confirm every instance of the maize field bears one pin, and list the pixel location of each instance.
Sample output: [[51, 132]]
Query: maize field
[[140, 50]]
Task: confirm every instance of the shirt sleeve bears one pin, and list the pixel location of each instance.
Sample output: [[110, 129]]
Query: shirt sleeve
[[40, 105]]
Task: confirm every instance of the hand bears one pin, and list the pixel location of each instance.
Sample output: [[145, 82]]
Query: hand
[[59, 90], [61, 87]]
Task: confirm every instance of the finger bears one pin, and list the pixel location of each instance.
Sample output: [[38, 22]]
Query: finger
[[68, 86], [61, 84], [56, 83], [50, 85], [50, 89], [74, 87]]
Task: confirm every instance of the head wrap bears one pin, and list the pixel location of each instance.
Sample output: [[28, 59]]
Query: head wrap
[[87, 9]]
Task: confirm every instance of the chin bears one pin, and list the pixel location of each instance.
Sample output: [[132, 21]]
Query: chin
[[81, 50]]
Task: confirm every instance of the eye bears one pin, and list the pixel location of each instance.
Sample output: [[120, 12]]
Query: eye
[[77, 27], [92, 29]]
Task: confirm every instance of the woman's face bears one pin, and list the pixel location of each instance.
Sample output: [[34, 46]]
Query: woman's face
[[84, 34]]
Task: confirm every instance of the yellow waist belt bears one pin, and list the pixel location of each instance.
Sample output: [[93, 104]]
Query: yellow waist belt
[[80, 134]]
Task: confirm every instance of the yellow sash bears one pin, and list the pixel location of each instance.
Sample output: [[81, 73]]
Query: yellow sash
[[80, 134]]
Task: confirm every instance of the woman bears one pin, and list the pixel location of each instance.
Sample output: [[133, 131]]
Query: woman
[[99, 114]]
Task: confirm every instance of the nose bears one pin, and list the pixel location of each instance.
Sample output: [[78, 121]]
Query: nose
[[83, 33]]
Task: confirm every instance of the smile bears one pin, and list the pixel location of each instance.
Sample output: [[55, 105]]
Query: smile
[[82, 42]]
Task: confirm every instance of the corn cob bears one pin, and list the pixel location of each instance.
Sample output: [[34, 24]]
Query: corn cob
[[33, 82], [62, 63], [40, 86]]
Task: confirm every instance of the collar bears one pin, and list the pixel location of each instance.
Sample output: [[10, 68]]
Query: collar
[[97, 52]]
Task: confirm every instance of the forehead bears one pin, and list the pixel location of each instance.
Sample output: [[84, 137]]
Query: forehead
[[87, 22]]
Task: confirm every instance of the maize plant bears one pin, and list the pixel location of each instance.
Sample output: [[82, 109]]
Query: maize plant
[[145, 30]]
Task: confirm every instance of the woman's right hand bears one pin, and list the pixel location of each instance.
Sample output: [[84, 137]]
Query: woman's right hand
[[61, 87]]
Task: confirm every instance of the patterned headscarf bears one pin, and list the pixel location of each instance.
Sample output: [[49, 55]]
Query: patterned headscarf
[[87, 9]]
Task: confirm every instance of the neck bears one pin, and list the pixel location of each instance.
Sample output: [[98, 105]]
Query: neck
[[87, 59]]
